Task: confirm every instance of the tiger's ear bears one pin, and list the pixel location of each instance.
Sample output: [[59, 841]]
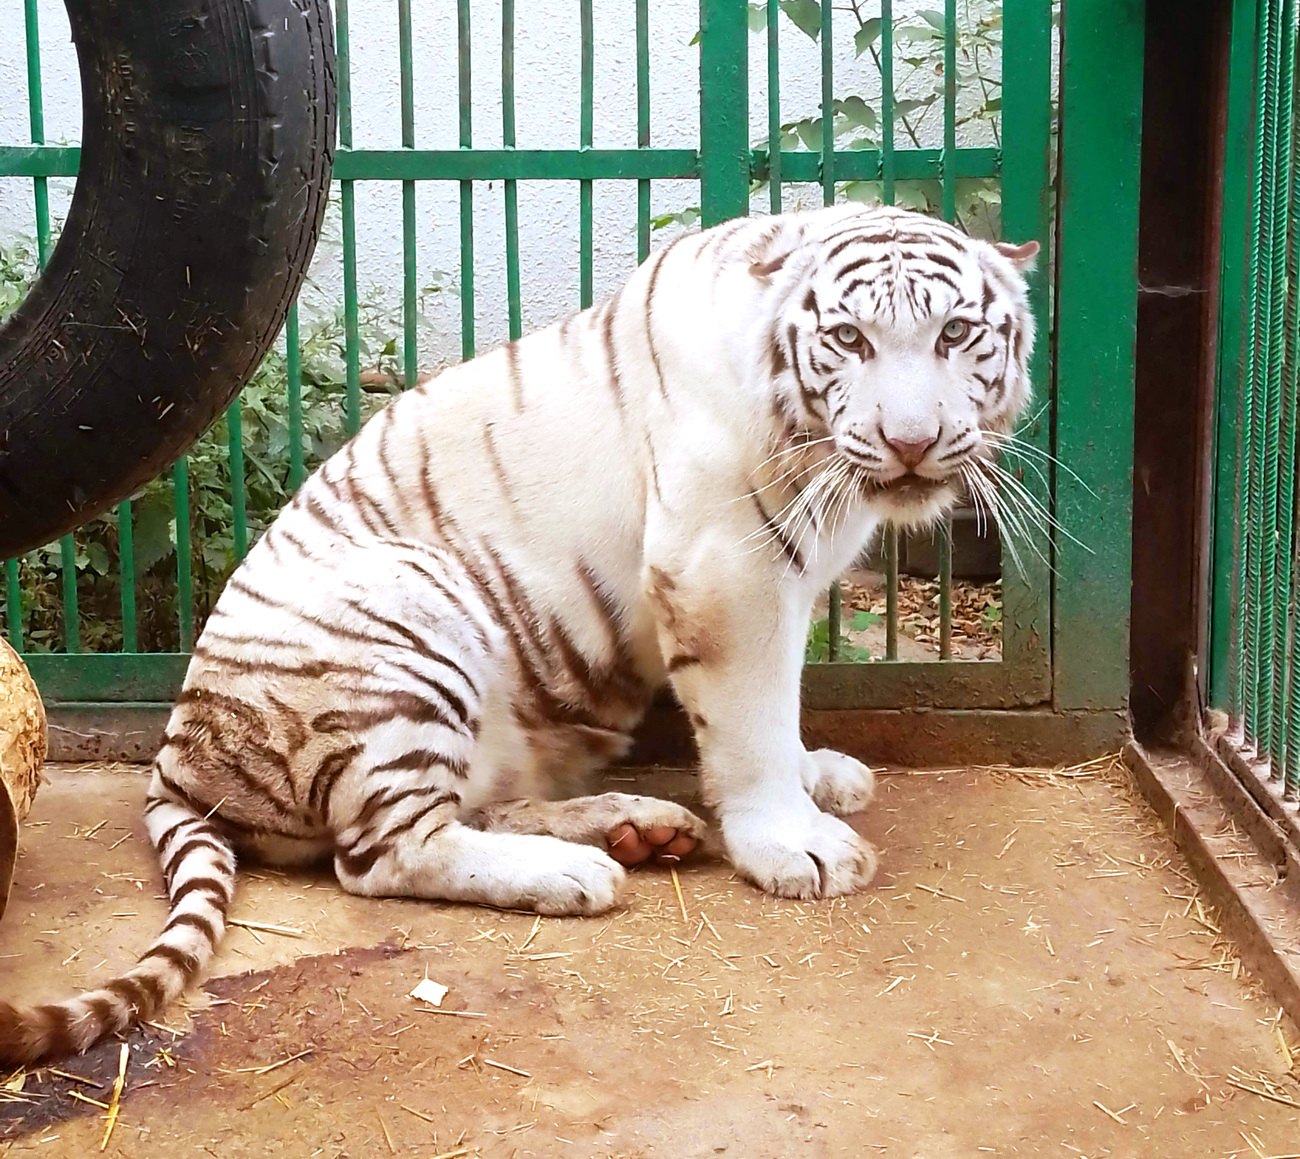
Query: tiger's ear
[[1021, 256], [767, 269]]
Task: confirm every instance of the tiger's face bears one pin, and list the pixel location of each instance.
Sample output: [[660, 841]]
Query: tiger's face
[[907, 345]]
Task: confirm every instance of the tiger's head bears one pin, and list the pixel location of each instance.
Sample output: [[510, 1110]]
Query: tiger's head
[[903, 344]]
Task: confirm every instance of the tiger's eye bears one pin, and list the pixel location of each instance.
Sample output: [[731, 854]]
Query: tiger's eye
[[956, 330], [847, 335]]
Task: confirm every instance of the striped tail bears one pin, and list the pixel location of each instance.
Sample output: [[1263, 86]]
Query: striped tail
[[199, 867]]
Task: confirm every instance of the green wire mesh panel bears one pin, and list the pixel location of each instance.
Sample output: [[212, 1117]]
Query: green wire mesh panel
[[853, 101], [1255, 588]]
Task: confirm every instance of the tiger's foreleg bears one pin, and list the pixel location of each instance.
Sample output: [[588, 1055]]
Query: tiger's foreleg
[[733, 643], [633, 828], [417, 847]]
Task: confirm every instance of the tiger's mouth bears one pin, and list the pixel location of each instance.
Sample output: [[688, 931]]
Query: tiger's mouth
[[907, 488]]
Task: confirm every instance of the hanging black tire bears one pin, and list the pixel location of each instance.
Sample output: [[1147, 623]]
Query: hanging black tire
[[207, 147]]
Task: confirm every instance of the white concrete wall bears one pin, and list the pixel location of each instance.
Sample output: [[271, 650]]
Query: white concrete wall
[[547, 97]]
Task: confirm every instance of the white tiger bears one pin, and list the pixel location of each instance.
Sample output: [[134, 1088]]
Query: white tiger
[[472, 603]]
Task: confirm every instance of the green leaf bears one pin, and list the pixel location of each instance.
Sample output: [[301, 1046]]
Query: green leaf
[[903, 108], [153, 531], [810, 133], [693, 40], [863, 620], [865, 192], [933, 18], [867, 35], [918, 35], [757, 17], [806, 15], [857, 112], [97, 557], [686, 217]]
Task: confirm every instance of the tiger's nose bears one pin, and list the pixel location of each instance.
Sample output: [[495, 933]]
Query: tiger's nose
[[910, 451]]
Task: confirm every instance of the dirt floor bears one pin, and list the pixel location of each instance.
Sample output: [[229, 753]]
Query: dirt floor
[[1033, 974]]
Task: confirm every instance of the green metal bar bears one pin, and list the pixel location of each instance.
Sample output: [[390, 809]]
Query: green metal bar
[[724, 110], [566, 164], [1277, 483], [833, 626], [1027, 215], [774, 105], [1272, 390], [828, 107], [1248, 557], [36, 123], [514, 298], [891, 593], [949, 177], [71, 617], [238, 497], [1101, 102], [463, 61], [293, 372], [827, 177], [39, 160], [410, 316], [1284, 534], [945, 590], [642, 126], [585, 276], [126, 576], [351, 325], [111, 677], [14, 604], [184, 553], [866, 164], [1259, 379], [949, 109], [887, 174], [1224, 636]]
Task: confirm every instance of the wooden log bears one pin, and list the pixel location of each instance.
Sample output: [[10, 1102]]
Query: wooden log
[[22, 752]]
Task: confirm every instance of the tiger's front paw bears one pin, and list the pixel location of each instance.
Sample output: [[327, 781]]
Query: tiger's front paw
[[799, 852], [650, 829], [837, 783]]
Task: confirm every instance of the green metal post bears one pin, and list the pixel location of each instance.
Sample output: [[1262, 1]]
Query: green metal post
[[1257, 413], [514, 304], [891, 593], [774, 105], [1224, 643], [351, 326], [1027, 216], [642, 126], [724, 110], [887, 102], [126, 576], [293, 372], [14, 604], [587, 70], [828, 124], [1279, 129], [410, 274], [1101, 95], [950, 109], [466, 187], [1282, 379], [40, 190], [238, 497], [184, 554]]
